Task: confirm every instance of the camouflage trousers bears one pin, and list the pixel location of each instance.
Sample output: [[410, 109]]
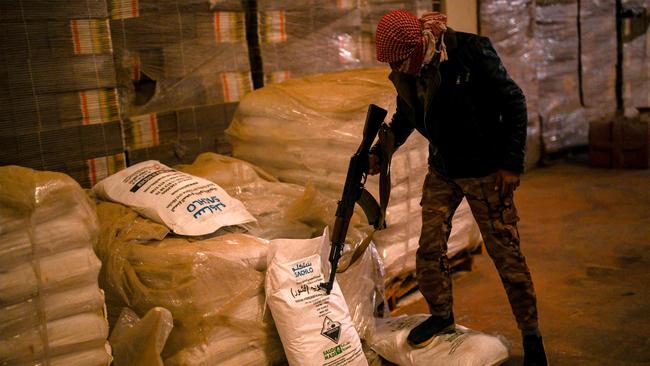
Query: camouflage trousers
[[497, 219]]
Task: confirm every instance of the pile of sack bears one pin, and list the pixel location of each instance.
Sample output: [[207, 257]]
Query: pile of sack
[[238, 284], [305, 130], [213, 284], [51, 307]]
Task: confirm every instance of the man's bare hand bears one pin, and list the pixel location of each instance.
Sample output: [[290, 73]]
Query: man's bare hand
[[373, 164], [507, 182]]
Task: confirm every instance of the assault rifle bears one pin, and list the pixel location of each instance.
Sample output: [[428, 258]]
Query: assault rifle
[[354, 192]]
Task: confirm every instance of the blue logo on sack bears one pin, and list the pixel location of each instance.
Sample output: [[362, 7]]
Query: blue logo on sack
[[200, 206], [302, 269]]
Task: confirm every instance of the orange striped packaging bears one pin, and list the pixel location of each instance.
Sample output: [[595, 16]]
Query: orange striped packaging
[[91, 36], [273, 26], [142, 131], [125, 9], [98, 106], [102, 167], [277, 77], [235, 85], [229, 27]]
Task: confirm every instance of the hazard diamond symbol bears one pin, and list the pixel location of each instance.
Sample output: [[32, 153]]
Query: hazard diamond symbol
[[331, 330]]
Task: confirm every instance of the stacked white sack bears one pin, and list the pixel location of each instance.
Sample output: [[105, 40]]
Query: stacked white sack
[[213, 285], [306, 130], [213, 288], [51, 307], [285, 210]]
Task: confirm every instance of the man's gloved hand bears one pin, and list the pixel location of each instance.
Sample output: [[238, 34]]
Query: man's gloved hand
[[506, 183], [373, 164]]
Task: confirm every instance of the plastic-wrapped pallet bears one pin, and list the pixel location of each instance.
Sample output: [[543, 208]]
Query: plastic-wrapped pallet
[[509, 25], [306, 130], [175, 59], [339, 34], [636, 62], [399, 256], [57, 89], [192, 55], [598, 22], [564, 121], [51, 307]]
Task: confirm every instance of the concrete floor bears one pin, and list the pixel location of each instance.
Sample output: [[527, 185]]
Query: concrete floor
[[586, 235]]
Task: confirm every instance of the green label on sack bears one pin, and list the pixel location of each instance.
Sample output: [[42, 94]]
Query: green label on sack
[[329, 353]]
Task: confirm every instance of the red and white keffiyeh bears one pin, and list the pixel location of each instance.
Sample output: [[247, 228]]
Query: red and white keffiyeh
[[408, 43]]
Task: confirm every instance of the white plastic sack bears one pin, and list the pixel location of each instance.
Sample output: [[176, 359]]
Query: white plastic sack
[[97, 356], [315, 328], [188, 205], [66, 270], [63, 336], [464, 347], [55, 305]]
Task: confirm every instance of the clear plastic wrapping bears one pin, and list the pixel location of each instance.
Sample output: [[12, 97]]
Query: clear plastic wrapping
[[510, 27], [636, 64], [306, 130], [189, 55], [197, 53], [282, 210], [310, 40], [363, 287], [139, 342], [58, 88], [598, 36], [38, 10], [172, 57], [564, 120], [212, 285], [316, 36], [51, 308], [214, 297], [285, 210]]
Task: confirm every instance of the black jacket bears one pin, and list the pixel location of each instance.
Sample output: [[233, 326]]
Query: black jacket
[[475, 121]]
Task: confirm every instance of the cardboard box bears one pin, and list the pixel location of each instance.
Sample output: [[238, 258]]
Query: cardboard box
[[172, 153], [55, 39], [52, 9], [41, 76], [620, 143], [189, 124], [34, 113], [51, 150]]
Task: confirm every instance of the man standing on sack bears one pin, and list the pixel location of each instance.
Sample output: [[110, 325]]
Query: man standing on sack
[[453, 89]]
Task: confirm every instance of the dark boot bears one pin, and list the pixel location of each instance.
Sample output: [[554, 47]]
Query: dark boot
[[534, 354], [423, 334]]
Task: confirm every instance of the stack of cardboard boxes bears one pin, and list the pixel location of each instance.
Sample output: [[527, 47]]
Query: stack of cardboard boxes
[[181, 69], [58, 97]]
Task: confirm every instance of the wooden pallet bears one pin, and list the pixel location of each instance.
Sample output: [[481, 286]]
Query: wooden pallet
[[404, 285]]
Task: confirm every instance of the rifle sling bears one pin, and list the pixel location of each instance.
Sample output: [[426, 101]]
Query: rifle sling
[[387, 148]]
